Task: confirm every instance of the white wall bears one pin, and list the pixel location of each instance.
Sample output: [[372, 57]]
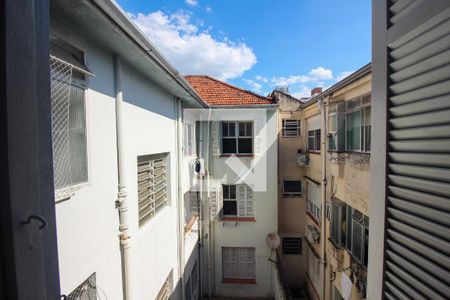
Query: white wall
[[250, 234]]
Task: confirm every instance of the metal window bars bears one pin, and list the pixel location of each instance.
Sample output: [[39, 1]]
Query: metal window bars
[[61, 77], [85, 291]]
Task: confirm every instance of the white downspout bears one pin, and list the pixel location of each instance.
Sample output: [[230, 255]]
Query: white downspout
[[122, 197], [323, 138], [180, 203]]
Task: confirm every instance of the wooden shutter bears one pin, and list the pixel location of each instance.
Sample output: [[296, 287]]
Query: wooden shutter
[[241, 200], [258, 137], [216, 138], [416, 79]]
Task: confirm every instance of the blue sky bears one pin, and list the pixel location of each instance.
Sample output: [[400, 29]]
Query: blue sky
[[259, 44]]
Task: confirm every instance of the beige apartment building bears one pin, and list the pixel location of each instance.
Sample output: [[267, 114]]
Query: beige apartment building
[[328, 159]]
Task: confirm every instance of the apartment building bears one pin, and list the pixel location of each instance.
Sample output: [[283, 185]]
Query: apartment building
[[291, 196], [122, 152], [242, 185], [338, 131]]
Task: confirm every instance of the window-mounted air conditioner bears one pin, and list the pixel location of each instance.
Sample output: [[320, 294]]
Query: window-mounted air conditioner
[[312, 234]]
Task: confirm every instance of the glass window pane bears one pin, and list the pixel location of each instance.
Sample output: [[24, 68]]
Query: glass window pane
[[77, 136], [232, 191], [229, 208], [292, 186], [357, 242], [226, 192], [245, 145], [231, 129], [249, 128], [229, 145], [242, 129], [224, 129], [354, 131], [317, 139]]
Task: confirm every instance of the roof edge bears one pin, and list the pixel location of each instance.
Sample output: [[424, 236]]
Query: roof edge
[[363, 71]]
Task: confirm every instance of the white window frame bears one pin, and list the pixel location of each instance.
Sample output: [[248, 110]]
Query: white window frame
[[290, 128], [237, 136], [234, 256], [152, 189], [315, 134], [288, 194], [229, 199], [364, 105], [338, 217], [189, 139], [363, 223], [311, 207]]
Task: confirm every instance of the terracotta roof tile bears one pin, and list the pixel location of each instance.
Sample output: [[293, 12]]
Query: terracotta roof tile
[[216, 92]]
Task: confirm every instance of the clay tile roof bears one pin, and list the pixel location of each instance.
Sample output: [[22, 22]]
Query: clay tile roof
[[216, 92]]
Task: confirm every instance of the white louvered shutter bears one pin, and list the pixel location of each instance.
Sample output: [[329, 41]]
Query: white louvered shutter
[[251, 263], [234, 263], [243, 263], [226, 263], [258, 137], [250, 202], [241, 200], [213, 204], [215, 138], [219, 202]]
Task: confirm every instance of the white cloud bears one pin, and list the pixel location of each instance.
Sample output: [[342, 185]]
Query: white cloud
[[304, 91], [342, 75], [194, 51], [315, 75], [261, 78], [208, 9], [256, 87], [192, 2]]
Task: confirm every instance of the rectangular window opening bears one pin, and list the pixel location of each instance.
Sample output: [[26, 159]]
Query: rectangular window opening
[[292, 245]]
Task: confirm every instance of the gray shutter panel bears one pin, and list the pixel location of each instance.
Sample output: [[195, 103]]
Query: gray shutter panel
[[250, 202], [417, 245], [215, 138], [258, 137]]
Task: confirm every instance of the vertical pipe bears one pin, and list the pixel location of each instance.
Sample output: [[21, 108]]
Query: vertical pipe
[[323, 138], [122, 197], [180, 203]]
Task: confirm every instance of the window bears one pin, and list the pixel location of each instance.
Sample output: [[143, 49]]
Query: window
[[358, 124], [237, 137], [314, 140], [229, 200], [313, 270], [166, 289], [292, 188], [191, 208], [313, 201], [152, 184], [238, 201], [337, 121], [357, 235], [68, 83], [292, 245], [238, 264], [291, 128], [189, 139], [85, 290], [338, 221]]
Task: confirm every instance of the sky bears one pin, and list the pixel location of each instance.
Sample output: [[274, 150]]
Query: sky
[[260, 44]]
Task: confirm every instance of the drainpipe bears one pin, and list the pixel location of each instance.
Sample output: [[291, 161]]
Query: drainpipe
[[180, 204], [323, 138], [122, 197]]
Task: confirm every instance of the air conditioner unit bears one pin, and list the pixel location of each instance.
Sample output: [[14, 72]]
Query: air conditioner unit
[[302, 160], [312, 234]]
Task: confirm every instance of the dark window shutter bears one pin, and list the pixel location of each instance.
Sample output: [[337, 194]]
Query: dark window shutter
[[417, 241]]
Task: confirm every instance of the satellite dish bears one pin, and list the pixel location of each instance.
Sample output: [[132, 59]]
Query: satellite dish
[[273, 240]]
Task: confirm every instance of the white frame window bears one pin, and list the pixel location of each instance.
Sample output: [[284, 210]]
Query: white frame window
[[238, 263], [229, 200], [360, 237], [313, 205], [153, 185], [292, 188], [292, 245], [314, 140], [189, 139], [337, 222], [237, 137], [166, 289], [291, 128]]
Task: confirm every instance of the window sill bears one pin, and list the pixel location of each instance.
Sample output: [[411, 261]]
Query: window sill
[[349, 151], [292, 196], [312, 152], [239, 219], [313, 218], [67, 193], [238, 155], [190, 224], [239, 281]]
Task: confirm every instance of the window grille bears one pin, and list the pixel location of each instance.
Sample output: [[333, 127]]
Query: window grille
[[152, 184], [291, 128], [292, 188], [166, 289], [238, 263], [68, 125], [292, 245], [85, 291]]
